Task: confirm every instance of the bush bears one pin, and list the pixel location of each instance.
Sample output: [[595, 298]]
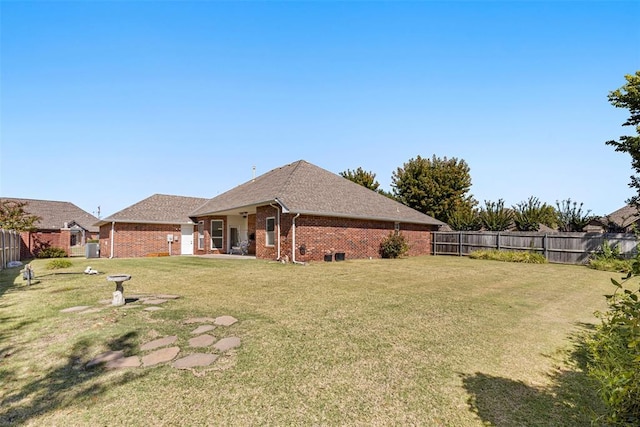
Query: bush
[[509, 256], [52, 252], [394, 246], [614, 352], [609, 258], [54, 264]]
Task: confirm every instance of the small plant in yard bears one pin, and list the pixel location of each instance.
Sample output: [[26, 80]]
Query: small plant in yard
[[509, 256], [615, 355], [52, 252], [609, 258], [394, 246], [55, 264]]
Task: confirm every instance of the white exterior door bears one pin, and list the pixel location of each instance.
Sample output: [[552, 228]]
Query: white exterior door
[[186, 246]]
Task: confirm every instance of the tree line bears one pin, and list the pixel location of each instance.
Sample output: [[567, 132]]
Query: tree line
[[439, 187]]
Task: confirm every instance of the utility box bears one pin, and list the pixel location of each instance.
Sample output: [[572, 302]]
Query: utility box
[[92, 250]]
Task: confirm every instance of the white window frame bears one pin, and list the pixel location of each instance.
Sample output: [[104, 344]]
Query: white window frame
[[270, 235], [396, 228], [221, 237], [200, 235]]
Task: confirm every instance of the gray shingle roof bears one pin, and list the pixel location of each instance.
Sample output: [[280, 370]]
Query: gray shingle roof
[[308, 189], [623, 217], [54, 214], [159, 209]]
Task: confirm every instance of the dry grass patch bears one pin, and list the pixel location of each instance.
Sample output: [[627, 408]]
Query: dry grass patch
[[429, 340]]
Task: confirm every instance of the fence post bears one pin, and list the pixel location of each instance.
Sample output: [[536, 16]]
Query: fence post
[[498, 241], [460, 243], [544, 247]]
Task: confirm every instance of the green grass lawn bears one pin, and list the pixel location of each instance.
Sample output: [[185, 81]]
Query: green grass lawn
[[436, 341]]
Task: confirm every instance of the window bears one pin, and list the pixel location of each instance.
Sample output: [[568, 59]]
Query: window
[[217, 227], [270, 231], [200, 234], [396, 228]]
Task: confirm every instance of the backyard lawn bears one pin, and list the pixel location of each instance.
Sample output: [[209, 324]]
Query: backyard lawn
[[434, 341]]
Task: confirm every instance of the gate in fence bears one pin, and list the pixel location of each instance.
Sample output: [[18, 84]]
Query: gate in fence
[[565, 248], [9, 247]]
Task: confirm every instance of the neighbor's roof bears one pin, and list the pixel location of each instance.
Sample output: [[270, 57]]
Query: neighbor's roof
[[623, 217], [159, 209], [53, 214], [304, 188]]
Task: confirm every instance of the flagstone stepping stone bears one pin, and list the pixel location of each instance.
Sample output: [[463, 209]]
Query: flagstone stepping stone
[[225, 320], [154, 308], [202, 341], [195, 360], [200, 320], [105, 357], [168, 296], [202, 329], [160, 356], [154, 301], [124, 362], [227, 344], [75, 309], [161, 342]]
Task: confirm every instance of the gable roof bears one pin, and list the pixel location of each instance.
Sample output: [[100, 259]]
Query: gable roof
[[54, 214], [623, 217], [301, 187], [159, 209]]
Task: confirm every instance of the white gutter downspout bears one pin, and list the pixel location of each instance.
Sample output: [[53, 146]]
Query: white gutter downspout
[[278, 221], [293, 240], [113, 230]]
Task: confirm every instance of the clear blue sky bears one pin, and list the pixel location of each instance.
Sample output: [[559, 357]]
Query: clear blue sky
[[106, 103]]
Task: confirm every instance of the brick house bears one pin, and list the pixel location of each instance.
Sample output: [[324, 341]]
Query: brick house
[[302, 212], [61, 225], [157, 225]]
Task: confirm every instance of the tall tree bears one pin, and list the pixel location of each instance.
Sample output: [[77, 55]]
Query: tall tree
[[360, 176], [628, 96], [436, 186], [528, 215], [14, 217], [571, 217], [495, 217]]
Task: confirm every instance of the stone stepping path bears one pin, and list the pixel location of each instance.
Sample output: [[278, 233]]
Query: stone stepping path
[[164, 350], [133, 301]]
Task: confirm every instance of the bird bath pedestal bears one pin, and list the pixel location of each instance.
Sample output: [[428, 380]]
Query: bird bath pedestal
[[118, 295]]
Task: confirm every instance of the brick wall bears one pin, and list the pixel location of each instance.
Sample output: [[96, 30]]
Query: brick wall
[[138, 240], [320, 236], [33, 242]]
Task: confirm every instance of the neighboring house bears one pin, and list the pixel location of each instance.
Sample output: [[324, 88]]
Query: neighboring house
[[159, 224], [303, 213], [62, 225], [624, 220]]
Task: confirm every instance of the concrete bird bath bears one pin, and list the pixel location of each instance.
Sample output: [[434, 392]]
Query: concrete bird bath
[[118, 295]]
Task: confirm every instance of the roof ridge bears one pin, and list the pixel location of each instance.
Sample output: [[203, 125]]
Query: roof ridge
[[290, 177]]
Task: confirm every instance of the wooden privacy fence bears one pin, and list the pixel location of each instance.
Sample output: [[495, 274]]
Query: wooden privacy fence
[[9, 247], [565, 248]]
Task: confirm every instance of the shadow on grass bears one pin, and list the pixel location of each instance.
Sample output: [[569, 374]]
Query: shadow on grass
[[570, 400], [66, 385]]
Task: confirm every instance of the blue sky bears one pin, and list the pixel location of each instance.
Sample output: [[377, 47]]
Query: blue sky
[[106, 103]]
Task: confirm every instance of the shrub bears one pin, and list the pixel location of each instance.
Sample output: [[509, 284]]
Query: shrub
[[609, 258], [52, 252], [495, 217], [54, 264], [394, 246], [464, 218], [614, 352], [509, 256]]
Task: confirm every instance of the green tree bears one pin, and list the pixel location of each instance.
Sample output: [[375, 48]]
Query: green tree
[[360, 176], [628, 96], [571, 217], [495, 217], [464, 218], [435, 186], [14, 217], [528, 215]]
